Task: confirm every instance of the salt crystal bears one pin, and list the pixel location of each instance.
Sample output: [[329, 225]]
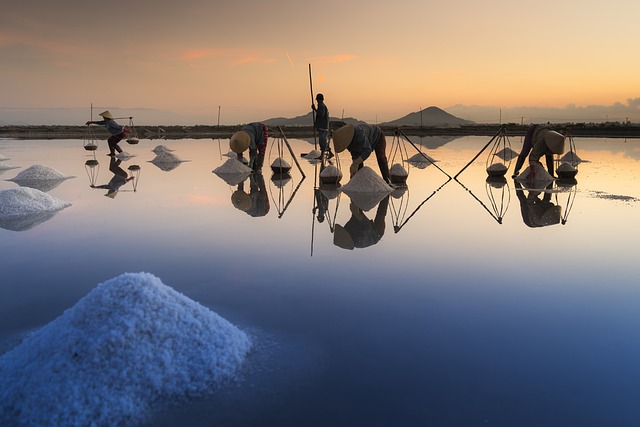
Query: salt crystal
[[124, 348], [367, 181]]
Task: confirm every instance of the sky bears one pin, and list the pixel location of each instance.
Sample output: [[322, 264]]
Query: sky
[[193, 61]]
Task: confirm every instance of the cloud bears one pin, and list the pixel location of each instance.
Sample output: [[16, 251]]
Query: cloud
[[323, 60]]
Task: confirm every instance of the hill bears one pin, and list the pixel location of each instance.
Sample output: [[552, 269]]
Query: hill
[[431, 116], [306, 120]]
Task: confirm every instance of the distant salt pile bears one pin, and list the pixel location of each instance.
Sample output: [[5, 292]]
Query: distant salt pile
[[162, 149], [507, 154], [571, 157], [540, 176], [166, 157], [421, 161], [25, 201], [40, 173], [5, 166], [3, 157], [111, 359], [232, 166], [312, 155]]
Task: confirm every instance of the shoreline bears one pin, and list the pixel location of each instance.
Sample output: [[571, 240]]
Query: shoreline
[[215, 132]]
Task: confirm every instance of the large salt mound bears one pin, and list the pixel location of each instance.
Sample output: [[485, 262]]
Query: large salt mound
[[232, 166], [40, 173], [540, 176], [367, 181], [126, 347], [24, 201], [167, 161]]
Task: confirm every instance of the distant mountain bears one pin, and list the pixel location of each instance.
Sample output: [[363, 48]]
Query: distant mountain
[[306, 120], [431, 116]]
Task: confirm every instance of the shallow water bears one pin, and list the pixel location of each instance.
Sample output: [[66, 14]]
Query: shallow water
[[457, 312]]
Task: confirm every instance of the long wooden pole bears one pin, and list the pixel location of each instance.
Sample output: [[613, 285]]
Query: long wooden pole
[[291, 151], [423, 155], [483, 148], [313, 112]]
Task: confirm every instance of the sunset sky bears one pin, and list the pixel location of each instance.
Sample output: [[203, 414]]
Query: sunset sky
[[375, 60]]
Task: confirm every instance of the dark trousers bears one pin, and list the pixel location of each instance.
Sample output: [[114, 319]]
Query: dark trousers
[[113, 143]]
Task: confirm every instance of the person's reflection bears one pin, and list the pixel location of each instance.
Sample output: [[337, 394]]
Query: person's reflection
[[536, 211], [322, 205], [256, 203], [360, 231], [120, 177]]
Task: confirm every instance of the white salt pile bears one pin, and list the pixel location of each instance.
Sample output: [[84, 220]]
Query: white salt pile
[[312, 155], [541, 175], [507, 154], [571, 157], [497, 169], [161, 149], [5, 166], [40, 173], [280, 163], [418, 160], [331, 171], [25, 201], [111, 359], [398, 170], [367, 181], [232, 166]]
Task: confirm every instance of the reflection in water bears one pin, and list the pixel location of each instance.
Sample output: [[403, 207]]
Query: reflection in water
[[536, 211], [256, 202], [359, 231], [120, 177]]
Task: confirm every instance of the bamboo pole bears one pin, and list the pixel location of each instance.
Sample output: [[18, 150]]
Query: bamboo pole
[[313, 112], [291, 151]]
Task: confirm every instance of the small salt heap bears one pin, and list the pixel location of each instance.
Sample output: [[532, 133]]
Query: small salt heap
[[497, 169], [571, 157], [420, 160], [161, 149], [312, 155], [330, 175], [124, 155], [166, 160], [3, 157], [507, 154], [280, 164], [398, 174], [128, 346]]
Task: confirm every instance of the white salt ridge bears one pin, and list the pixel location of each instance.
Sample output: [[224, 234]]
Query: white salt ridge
[[40, 173], [398, 170], [111, 359], [331, 171], [24, 201], [312, 155], [232, 166], [367, 181], [162, 149], [5, 166]]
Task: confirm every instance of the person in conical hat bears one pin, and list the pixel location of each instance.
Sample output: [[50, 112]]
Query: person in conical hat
[[360, 140], [540, 140], [253, 137], [117, 131]]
